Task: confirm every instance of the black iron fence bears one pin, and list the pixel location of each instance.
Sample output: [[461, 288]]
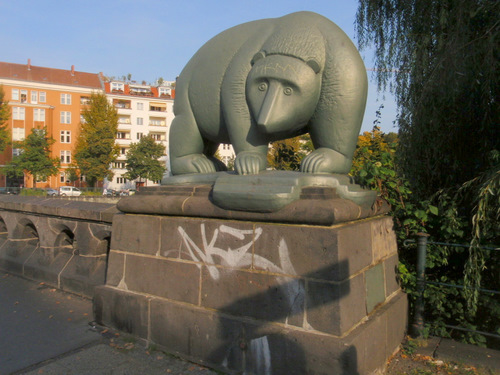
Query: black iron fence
[[417, 324]]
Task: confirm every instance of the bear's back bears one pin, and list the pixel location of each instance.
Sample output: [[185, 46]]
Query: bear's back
[[204, 74]]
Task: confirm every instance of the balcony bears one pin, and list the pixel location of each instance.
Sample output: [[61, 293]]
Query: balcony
[[140, 91], [122, 104], [123, 135], [124, 120], [157, 121], [158, 107], [158, 136]]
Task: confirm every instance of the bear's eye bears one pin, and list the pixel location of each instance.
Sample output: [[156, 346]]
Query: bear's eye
[[288, 91], [263, 86]]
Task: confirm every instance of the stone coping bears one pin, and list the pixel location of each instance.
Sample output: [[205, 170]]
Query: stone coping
[[74, 209], [316, 206]]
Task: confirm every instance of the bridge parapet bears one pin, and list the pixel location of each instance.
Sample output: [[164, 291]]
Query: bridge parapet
[[64, 243]]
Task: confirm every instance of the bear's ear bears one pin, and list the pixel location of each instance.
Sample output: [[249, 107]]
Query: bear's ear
[[259, 55], [314, 65]]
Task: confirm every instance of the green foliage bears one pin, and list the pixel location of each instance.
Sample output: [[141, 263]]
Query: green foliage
[[288, 154], [35, 157], [446, 217], [142, 160], [374, 166], [485, 191], [33, 192], [4, 117], [95, 148], [440, 58], [73, 173]]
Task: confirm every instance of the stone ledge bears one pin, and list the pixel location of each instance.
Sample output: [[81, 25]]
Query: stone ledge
[[316, 206], [81, 210]]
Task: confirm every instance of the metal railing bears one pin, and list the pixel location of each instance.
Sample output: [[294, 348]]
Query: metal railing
[[418, 317]]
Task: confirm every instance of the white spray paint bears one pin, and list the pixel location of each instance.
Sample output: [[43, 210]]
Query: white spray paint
[[209, 253]]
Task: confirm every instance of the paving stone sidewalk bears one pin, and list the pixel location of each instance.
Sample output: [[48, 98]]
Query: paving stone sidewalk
[[46, 331]]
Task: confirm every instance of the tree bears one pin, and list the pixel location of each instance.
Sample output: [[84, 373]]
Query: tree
[[288, 153], [142, 160], [95, 147], [4, 117], [440, 58], [35, 157], [73, 174]]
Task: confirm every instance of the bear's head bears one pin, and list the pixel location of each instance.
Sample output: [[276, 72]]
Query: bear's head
[[282, 93]]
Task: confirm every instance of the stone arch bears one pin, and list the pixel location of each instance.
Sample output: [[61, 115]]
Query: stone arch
[[65, 239], [4, 232], [26, 230], [25, 238], [104, 237]]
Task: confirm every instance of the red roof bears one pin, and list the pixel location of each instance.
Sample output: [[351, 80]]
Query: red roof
[[49, 75]]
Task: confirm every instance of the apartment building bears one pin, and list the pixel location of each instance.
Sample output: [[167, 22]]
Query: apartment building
[[45, 97], [142, 110], [226, 153]]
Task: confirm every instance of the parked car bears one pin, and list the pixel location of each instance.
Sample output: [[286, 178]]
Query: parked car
[[52, 192], [69, 191]]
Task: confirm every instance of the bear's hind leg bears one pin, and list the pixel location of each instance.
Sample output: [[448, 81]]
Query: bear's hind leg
[[187, 148]]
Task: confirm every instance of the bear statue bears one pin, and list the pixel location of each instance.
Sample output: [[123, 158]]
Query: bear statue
[[269, 80]]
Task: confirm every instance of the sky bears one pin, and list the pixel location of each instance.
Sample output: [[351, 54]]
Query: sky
[[152, 38]]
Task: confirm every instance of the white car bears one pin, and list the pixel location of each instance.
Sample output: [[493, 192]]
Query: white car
[[69, 191]]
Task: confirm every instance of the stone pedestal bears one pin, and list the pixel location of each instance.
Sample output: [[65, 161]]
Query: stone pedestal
[[257, 297]]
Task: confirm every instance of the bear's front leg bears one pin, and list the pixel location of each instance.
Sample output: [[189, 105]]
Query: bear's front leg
[[250, 162], [325, 160]]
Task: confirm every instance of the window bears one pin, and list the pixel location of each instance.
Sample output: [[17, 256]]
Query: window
[[65, 117], [122, 135], [39, 114], [123, 150], [66, 157], [34, 97], [140, 121], [121, 180], [18, 113], [42, 96], [158, 107], [65, 136], [157, 136], [18, 134], [15, 94], [119, 165], [140, 135], [65, 98], [62, 177], [24, 96], [117, 86], [84, 100], [140, 106], [164, 90]]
